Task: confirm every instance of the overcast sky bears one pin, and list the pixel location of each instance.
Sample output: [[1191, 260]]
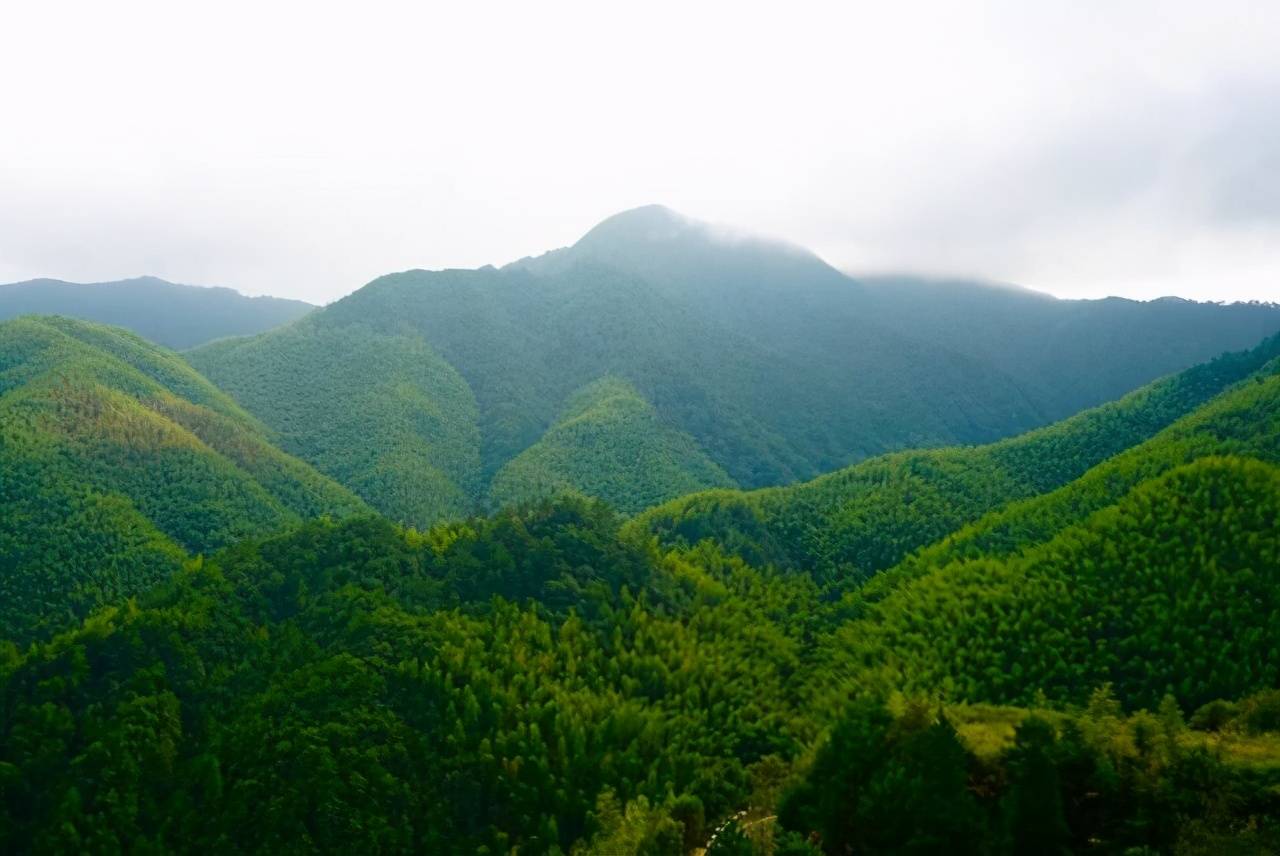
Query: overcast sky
[[1081, 148]]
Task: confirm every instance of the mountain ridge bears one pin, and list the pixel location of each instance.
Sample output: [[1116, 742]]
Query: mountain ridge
[[777, 365], [171, 314], [118, 461]]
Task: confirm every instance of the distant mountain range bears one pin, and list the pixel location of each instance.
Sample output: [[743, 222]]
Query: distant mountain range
[[655, 357], [435, 393], [178, 316]]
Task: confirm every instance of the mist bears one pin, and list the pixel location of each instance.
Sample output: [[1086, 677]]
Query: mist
[[302, 149]]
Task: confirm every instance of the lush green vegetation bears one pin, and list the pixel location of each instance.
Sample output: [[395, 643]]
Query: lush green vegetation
[[927, 779], [609, 442], [1172, 590], [778, 367], [117, 458], [544, 681], [177, 316], [1060, 642], [1242, 421], [861, 520], [380, 412], [315, 691]]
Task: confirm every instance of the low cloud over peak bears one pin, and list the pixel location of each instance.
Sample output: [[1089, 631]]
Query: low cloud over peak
[[1084, 151]]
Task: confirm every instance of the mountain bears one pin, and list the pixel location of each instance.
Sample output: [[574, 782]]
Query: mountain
[[177, 316], [609, 442], [776, 366], [1081, 657], [1034, 337], [118, 461], [852, 523], [377, 409], [1174, 588], [524, 344]]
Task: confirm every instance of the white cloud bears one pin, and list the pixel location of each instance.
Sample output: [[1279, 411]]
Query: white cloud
[[301, 149]]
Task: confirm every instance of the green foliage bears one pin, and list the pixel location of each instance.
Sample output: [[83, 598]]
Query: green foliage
[[176, 316], [1215, 715], [609, 443], [853, 523], [1034, 812], [319, 693], [1244, 420], [640, 830], [1172, 590], [879, 786], [380, 412], [1063, 782], [1256, 714], [550, 679], [116, 459]]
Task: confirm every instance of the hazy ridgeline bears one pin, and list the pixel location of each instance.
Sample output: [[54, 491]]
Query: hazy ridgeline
[[438, 393]]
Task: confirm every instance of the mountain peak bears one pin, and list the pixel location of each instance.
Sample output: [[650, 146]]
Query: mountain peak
[[645, 224], [641, 230]]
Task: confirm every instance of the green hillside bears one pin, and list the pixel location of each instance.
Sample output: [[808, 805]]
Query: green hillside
[[1174, 589], [609, 442], [543, 681], [779, 367], [1062, 641], [868, 517], [117, 460], [1244, 420], [310, 692], [555, 680], [379, 412], [1054, 348], [177, 316]]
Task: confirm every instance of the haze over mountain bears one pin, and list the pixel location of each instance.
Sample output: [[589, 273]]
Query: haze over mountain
[[177, 316], [1126, 152], [773, 364]]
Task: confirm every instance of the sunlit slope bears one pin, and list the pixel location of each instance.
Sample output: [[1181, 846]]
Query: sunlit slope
[[609, 443], [1174, 588], [117, 459]]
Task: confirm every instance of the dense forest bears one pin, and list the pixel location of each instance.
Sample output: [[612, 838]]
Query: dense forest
[[609, 442], [861, 520], [177, 316], [1059, 642], [116, 459], [755, 363]]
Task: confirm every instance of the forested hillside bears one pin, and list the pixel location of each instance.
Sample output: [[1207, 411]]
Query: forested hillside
[[177, 316], [117, 459], [1033, 337], [853, 523], [609, 442], [1173, 589], [775, 366], [555, 679], [379, 411]]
